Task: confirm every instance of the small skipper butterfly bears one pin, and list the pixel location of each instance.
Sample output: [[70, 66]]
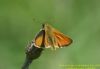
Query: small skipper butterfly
[[50, 37]]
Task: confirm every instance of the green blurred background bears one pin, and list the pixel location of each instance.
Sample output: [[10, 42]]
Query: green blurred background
[[20, 20]]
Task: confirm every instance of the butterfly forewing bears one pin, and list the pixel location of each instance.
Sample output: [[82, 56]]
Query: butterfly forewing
[[47, 42], [61, 39], [39, 39]]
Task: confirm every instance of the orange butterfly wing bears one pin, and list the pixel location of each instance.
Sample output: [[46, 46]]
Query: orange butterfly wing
[[61, 39], [39, 39], [47, 43], [54, 38]]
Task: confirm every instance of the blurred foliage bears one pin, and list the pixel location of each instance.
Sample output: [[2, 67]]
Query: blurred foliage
[[20, 20]]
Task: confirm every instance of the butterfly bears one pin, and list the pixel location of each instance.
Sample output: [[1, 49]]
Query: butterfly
[[49, 37]]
